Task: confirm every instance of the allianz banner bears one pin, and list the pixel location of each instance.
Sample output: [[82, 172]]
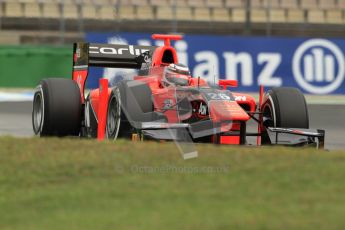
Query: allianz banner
[[314, 65]]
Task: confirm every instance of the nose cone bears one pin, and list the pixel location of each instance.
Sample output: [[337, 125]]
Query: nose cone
[[227, 111]]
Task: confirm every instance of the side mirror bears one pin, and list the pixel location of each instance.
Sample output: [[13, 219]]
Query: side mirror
[[226, 83]]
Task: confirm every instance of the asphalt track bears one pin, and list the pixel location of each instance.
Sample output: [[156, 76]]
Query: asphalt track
[[15, 120]]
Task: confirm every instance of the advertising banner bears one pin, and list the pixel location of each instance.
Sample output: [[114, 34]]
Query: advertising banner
[[314, 65]]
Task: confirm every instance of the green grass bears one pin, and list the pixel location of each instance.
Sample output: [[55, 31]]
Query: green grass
[[85, 184]]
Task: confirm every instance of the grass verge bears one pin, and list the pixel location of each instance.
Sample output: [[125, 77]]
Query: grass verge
[[84, 184]]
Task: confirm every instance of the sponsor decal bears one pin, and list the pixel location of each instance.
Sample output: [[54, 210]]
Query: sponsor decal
[[240, 98], [78, 53], [167, 104], [318, 66], [202, 109], [117, 51]]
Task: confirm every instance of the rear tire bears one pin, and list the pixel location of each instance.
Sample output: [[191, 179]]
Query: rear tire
[[284, 107], [57, 108]]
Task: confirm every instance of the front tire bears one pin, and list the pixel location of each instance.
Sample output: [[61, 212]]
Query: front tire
[[56, 108], [284, 107], [117, 125], [114, 115]]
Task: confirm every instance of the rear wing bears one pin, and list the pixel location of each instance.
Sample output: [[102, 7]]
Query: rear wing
[[110, 55], [107, 55]]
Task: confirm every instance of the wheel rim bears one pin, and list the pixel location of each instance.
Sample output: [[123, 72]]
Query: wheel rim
[[268, 116], [38, 112], [113, 119], [269, 113]]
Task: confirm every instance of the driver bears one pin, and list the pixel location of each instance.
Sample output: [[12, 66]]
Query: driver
[[176, 75]]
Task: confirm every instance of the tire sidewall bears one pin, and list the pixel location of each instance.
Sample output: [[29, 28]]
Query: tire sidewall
[[269, 102], [115, 95], [38, 92]]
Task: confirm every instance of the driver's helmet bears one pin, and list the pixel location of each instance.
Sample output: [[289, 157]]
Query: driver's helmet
[[176, 75]]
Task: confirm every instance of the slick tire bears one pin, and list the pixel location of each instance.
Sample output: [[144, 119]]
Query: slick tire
[[126, 107], [117, 125], [57, 108], [114, 115], [284, 107]]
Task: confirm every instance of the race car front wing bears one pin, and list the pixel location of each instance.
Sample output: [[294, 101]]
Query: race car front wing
[[296, 137], [277, 136]]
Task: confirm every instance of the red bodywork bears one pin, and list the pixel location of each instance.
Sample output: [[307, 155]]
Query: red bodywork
[[228, 112]]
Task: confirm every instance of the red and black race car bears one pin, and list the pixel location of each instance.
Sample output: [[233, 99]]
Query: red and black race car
[[164, 102]]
